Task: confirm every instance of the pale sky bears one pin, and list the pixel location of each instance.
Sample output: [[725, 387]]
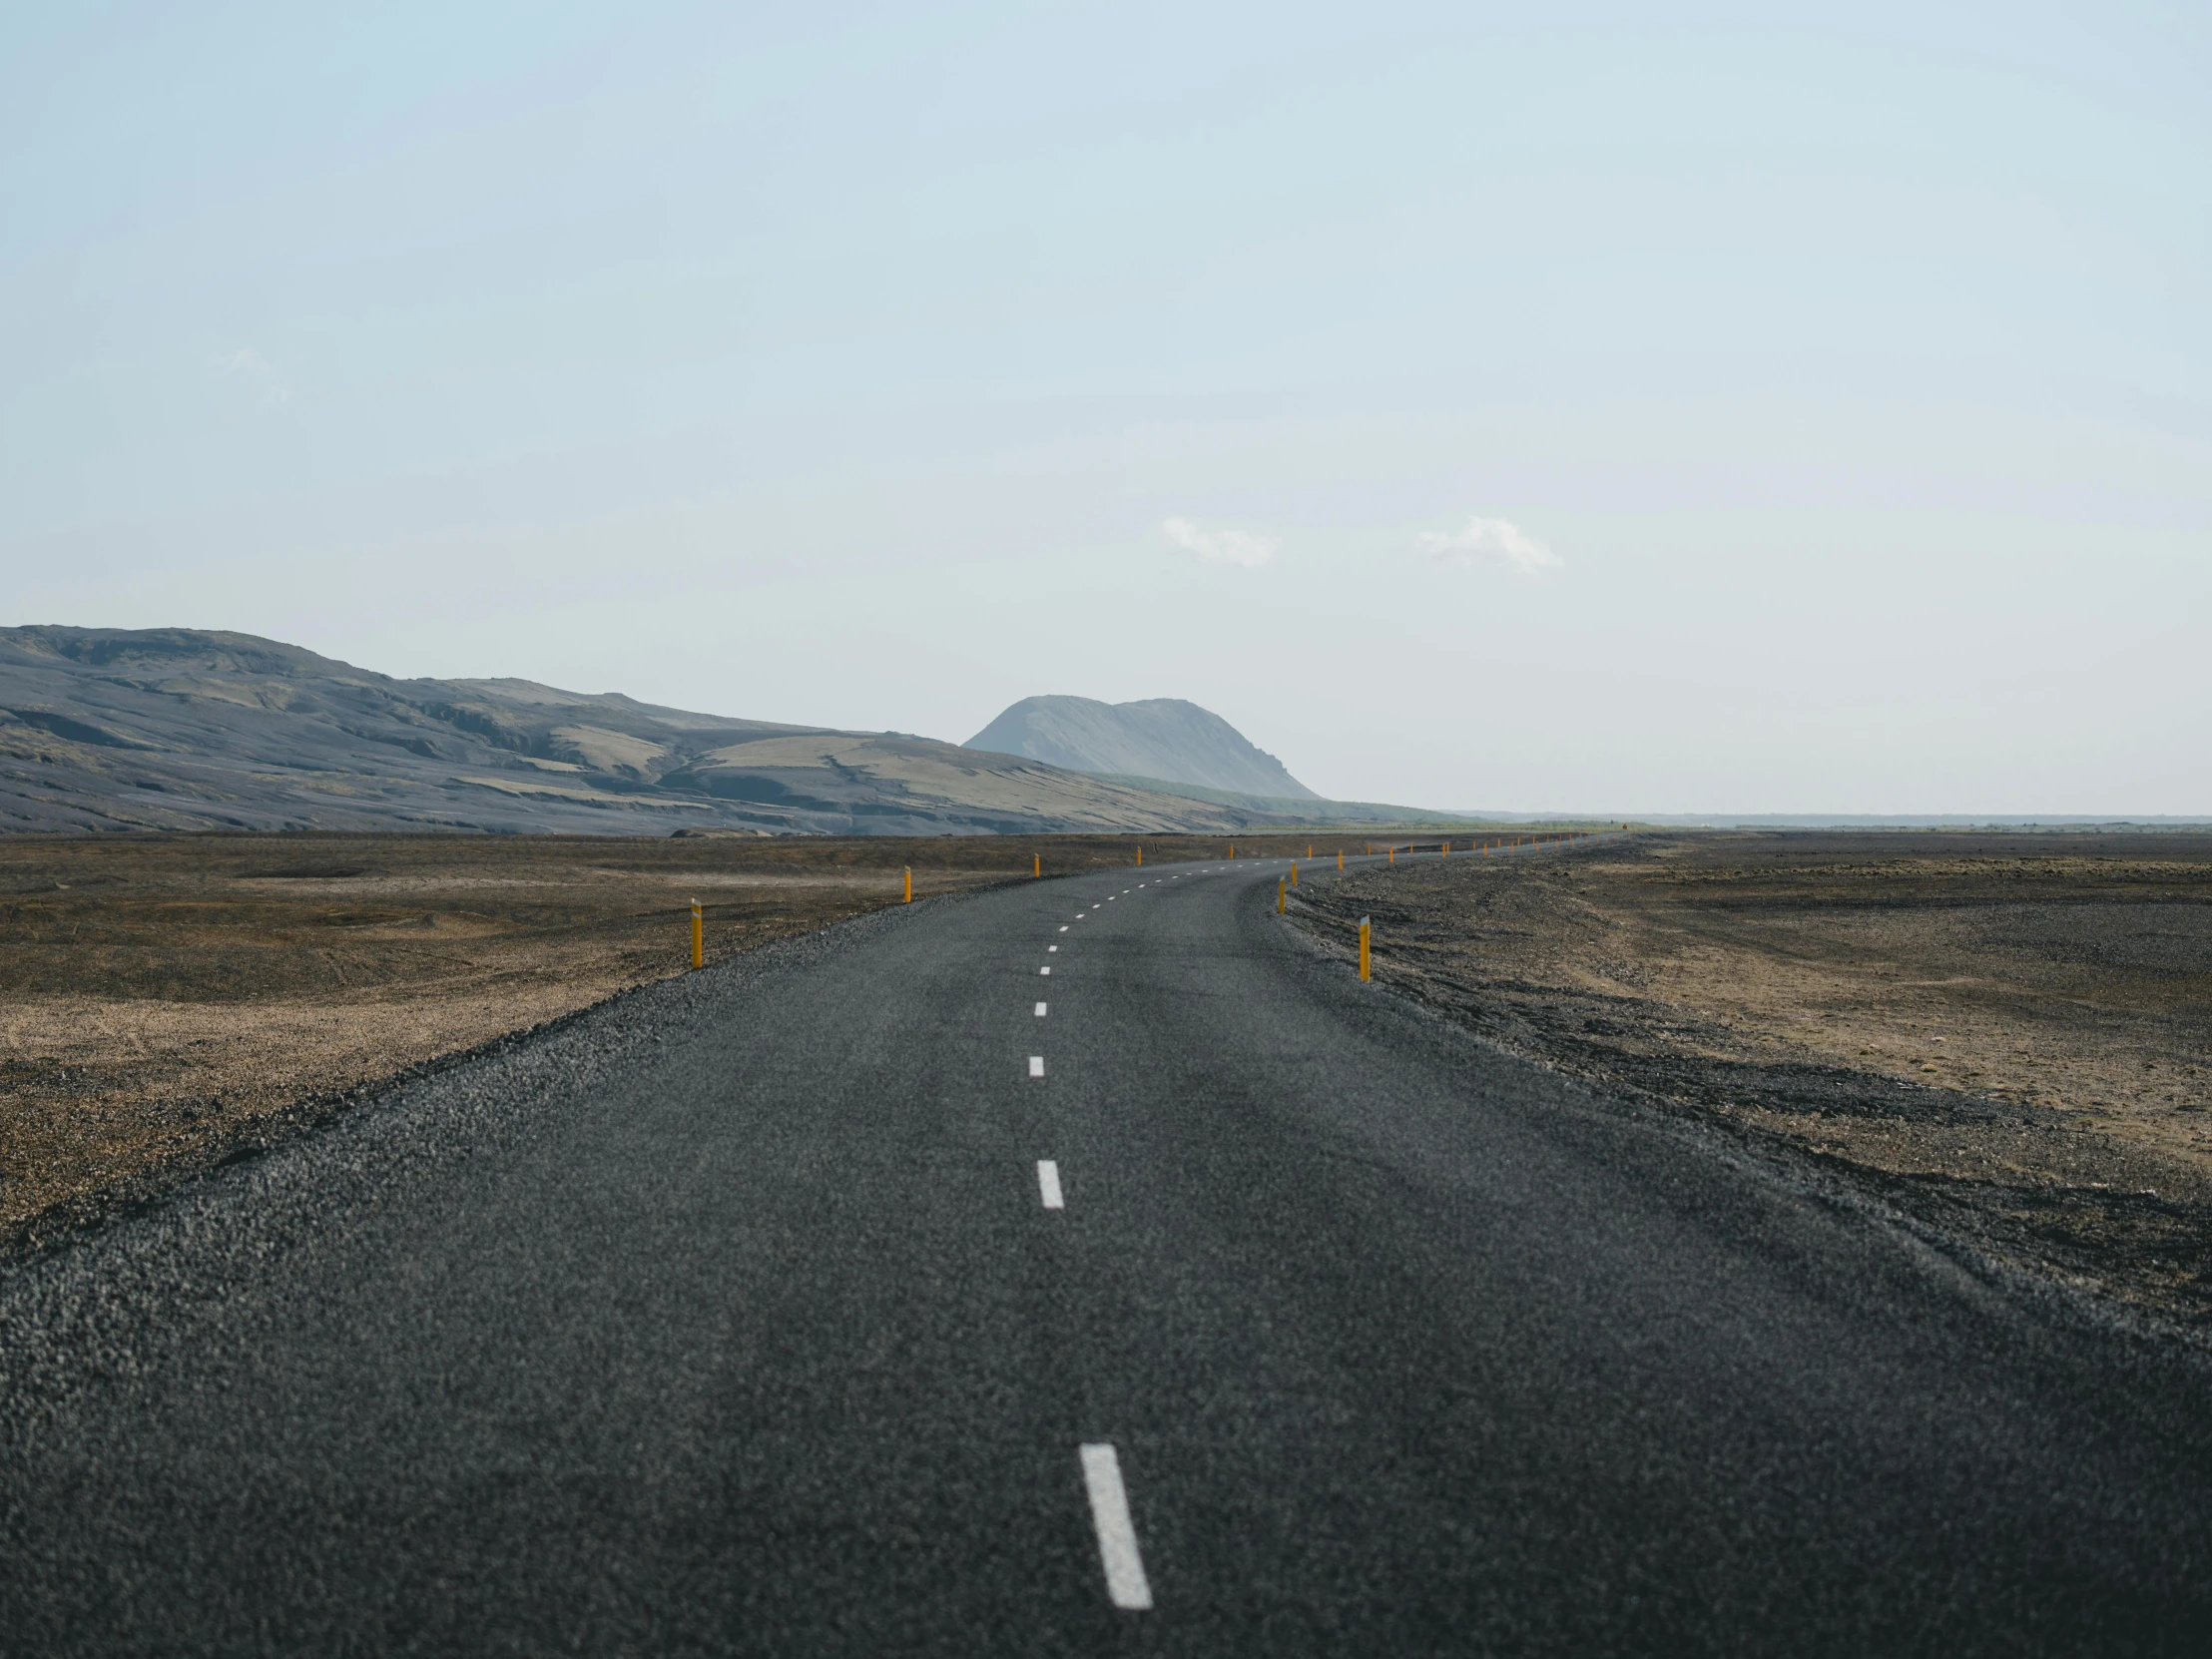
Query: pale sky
[[1643, 408]]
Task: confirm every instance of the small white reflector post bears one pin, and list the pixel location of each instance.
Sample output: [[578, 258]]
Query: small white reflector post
[[1117, 1538]]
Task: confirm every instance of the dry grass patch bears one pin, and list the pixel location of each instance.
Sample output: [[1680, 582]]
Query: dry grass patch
[[2015, 1031]]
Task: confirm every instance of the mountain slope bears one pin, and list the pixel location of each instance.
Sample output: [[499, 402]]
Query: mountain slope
[[180, 729], [1161, 737]]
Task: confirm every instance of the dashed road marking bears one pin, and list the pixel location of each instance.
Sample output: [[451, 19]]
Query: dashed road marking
[[1065, 925], [1047, 969], [1036, 1065], [1051, 948], [1117, 1536], [1048, 1184], [1040, 1011]]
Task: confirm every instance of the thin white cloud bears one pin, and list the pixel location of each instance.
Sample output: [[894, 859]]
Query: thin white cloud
[[1222, 547], [1490, 544], [249, 369]]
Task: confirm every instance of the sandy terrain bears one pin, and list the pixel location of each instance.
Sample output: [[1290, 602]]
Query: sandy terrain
[[2009, 1035]]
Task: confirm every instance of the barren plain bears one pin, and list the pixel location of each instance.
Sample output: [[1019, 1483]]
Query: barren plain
[[2007, 1036]]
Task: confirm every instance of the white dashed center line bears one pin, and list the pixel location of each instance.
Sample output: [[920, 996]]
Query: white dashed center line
[[1065, 925], [1047, 969], [1117, 1539], [1051, 948], [1040, 1011], [1048, 1183], [1036, 1065]]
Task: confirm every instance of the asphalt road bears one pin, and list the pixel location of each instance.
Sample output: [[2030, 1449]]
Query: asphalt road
[[732, 1318]]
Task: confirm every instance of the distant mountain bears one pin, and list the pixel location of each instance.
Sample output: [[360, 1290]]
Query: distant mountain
[[179, 729], [1161, 737]]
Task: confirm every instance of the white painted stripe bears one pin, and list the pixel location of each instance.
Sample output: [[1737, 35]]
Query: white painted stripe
[[1047, 969], [1117, 1538], [1040, 1011], [1048, 1183], [1036, 1065], [1051, 949], [1065, 925]]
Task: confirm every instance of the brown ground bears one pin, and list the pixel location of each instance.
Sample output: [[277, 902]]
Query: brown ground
[[168, 999], [2010, 1035]]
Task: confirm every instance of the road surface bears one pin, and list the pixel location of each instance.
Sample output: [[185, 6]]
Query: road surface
[[886, 1293]]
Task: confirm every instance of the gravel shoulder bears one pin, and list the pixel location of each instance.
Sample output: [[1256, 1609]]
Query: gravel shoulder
[[2006, 1037]]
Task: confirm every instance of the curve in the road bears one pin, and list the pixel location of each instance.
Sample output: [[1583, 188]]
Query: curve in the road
[[1086, 1263]]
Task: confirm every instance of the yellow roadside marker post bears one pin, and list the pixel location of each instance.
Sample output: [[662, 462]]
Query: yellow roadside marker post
[[1363, 948], [1232, 849], [1446, 850], [1340, 861], [909, 883], [1294, 866], [1308, 849], [1039, 871], [698, 935], [1140, 855], [1394, 853], [1280, 887]]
